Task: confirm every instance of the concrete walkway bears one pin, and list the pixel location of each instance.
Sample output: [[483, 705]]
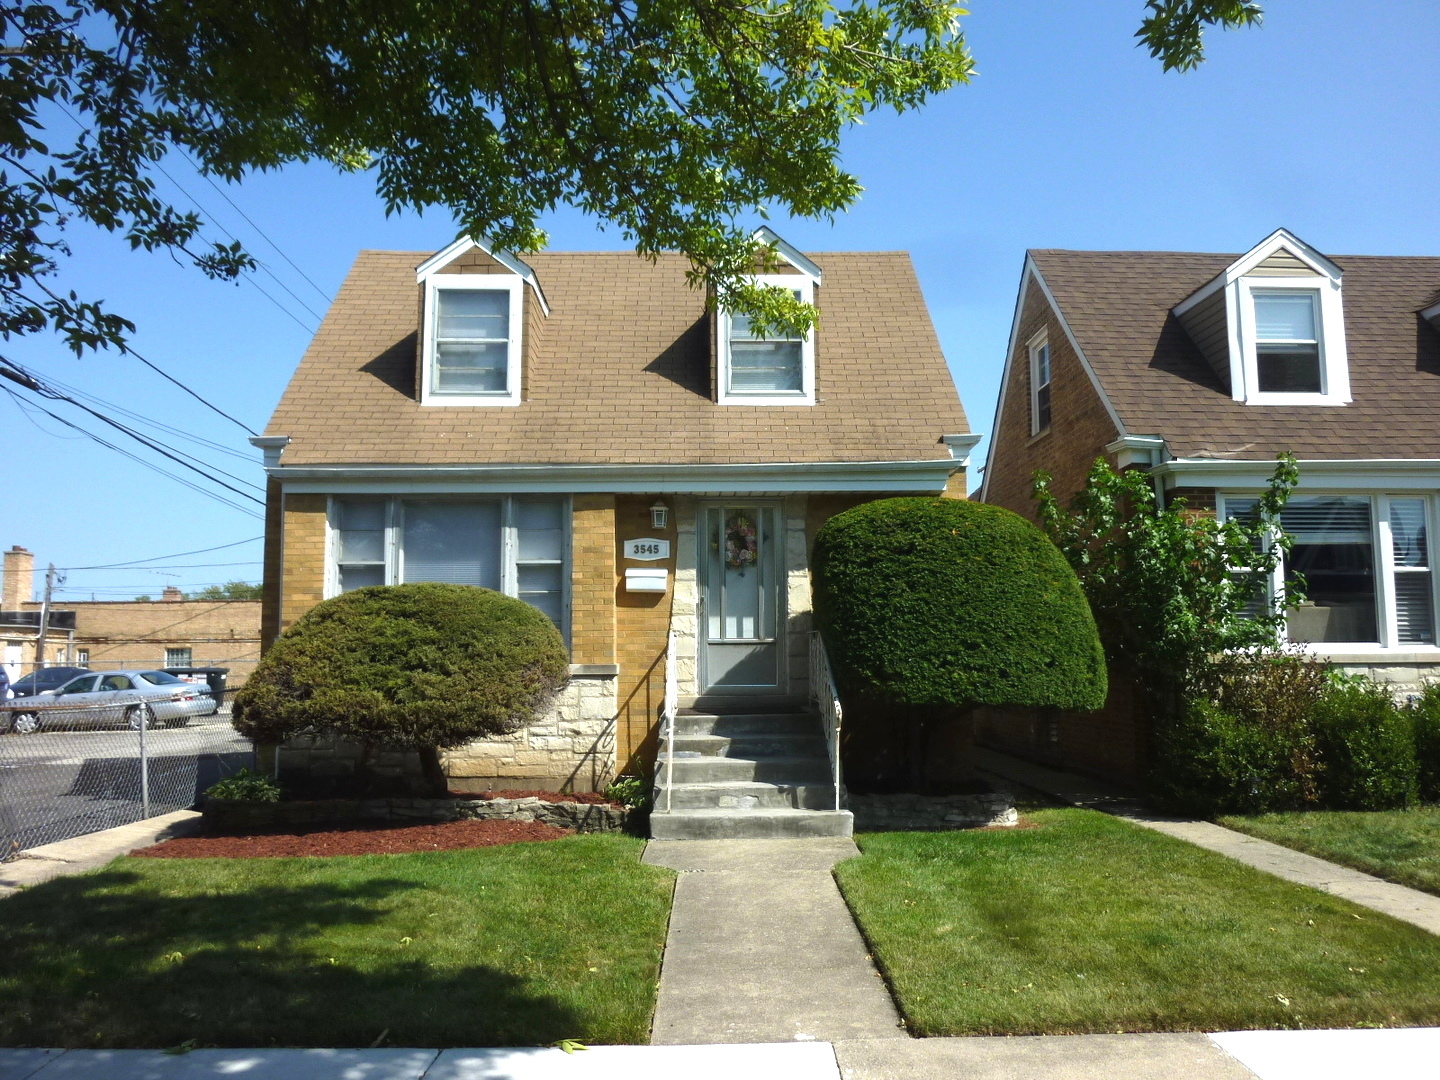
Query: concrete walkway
[[90, 852], [763, 949], [1394, 1054], [1408, 905]]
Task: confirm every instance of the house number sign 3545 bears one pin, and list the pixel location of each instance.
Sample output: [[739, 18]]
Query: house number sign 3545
[[647, 550]]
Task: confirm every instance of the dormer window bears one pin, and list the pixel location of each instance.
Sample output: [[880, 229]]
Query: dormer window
[[472, 340], [778, 369], [1287, 341], [1272, 326]]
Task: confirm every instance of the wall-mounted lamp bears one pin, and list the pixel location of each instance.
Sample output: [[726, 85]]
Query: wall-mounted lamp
[[659, 514]]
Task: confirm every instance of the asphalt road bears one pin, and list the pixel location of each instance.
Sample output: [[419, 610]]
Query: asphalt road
[[59, 784]]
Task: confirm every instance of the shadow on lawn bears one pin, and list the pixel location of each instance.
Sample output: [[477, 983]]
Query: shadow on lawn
[[92, 962]]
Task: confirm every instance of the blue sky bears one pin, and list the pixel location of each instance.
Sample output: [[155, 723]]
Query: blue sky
[[1326, 120]]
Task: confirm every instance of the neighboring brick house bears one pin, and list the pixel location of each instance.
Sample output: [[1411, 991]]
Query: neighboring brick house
[[106, 635], [1202, 368], [468, 416]]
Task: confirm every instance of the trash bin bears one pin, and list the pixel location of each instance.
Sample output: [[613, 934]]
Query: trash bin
[[214, 677]]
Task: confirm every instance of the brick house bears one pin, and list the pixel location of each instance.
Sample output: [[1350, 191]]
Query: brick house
[[1201, 368], [107, 635], [585, 432]]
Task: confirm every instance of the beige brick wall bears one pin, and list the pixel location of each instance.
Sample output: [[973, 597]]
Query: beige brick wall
[[1080, 426], [642, 625], [592, 579], [302, 583]]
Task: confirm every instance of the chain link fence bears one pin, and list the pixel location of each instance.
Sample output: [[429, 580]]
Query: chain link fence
[[67, 769]]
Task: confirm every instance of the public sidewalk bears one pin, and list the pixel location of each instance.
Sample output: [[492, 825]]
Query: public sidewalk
[[1393, 1054], [90, 852], [1408, 905]]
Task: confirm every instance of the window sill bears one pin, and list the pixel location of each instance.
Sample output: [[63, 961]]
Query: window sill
[[1310, 400], [1037, 436], [1366, 653]]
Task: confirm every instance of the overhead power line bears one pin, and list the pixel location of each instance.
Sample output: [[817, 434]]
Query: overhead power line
[[172, 555], [203, 401]]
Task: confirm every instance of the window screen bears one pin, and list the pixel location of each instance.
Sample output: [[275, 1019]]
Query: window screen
[[1414, 607], [770, 365], [360, 542], [1333, 551], [453, 542]]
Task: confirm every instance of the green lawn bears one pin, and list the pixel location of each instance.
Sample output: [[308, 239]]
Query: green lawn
[[1398, 845], [1091, 924], [519, 945]]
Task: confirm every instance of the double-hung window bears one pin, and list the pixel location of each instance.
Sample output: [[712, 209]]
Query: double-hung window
[[472, 340], [1287, 341], [1365, 563], [1039, 385], [516, 544], [777, 369]]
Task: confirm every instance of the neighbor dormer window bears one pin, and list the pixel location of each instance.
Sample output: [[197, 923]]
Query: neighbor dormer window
[[777, 369], [1287, 341], [472, 340]]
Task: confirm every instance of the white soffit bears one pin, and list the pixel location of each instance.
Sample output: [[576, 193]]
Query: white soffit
[[1277, 240], [516, 265]]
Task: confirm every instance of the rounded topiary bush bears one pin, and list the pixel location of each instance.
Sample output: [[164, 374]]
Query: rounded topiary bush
[[425, 666], [948, 602]]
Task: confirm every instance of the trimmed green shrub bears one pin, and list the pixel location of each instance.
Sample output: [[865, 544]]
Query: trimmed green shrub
[[1426, 719], [1366, 746], [946, 602], [423, 666], [245, 786], [1212, 761]]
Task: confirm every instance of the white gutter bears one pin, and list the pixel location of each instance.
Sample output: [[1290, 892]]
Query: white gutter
[[913, 477], [1360, 474]]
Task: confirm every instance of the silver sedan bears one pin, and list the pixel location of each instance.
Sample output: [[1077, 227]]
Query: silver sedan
[[134, 699]]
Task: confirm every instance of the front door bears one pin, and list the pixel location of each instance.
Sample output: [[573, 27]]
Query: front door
[[742, 614]]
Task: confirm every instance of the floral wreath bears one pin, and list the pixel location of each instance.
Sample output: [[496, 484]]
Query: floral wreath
[[741, 549]]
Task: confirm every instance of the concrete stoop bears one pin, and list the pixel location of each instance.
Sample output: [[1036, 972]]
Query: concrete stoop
[[747, 775]]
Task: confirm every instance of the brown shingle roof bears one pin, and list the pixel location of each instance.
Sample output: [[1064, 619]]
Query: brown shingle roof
[[1117, 303], [620, 374]]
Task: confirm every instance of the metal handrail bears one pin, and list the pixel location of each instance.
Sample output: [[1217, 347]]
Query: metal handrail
[[668, 710], [827, 698]]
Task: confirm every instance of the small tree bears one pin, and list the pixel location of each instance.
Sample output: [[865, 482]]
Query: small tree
[[1171, 588], [422, 667], [932, 607]]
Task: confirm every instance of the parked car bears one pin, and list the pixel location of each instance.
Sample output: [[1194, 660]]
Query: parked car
[[50, 678], [134, 699]]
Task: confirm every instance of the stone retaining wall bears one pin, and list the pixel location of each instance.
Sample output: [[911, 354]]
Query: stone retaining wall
[[238, 815], [879, 813]]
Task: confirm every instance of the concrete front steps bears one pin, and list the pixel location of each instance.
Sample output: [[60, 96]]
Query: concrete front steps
[[741, 774]]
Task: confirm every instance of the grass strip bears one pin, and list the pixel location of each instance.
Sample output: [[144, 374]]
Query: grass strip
[[518, 945], [1092, 924], [1402, 846]]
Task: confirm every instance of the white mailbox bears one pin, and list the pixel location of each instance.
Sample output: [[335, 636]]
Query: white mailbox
[[646, 579]]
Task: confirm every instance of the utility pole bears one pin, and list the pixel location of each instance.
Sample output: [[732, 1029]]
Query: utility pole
[[44, 617]]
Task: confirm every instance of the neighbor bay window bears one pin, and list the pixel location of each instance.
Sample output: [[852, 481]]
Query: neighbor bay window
[[1363, 566], [512, 544]]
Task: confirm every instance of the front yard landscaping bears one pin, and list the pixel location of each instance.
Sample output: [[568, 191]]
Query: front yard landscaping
[[1091, 924], [1398, 845], [524, 944]]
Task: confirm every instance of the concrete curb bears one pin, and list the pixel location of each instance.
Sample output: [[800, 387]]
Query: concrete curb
[[90, 852]]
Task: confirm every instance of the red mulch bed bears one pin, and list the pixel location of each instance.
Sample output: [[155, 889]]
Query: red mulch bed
[[589, 798], [447, 836]]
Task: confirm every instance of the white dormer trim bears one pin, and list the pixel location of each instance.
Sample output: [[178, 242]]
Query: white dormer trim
[[513, 287], [805, 286], [517, 266], [788, 252], [1240, 283]]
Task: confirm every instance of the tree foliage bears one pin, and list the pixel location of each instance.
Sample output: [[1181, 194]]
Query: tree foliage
[[1171, 589], [674, 120], [231, 590], [419, 666]]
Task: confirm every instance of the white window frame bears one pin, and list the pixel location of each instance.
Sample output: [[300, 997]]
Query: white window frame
[[1386, 618], [805, 286], [1040, 342], [509, 541], [1329, 328], [506, 283]]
